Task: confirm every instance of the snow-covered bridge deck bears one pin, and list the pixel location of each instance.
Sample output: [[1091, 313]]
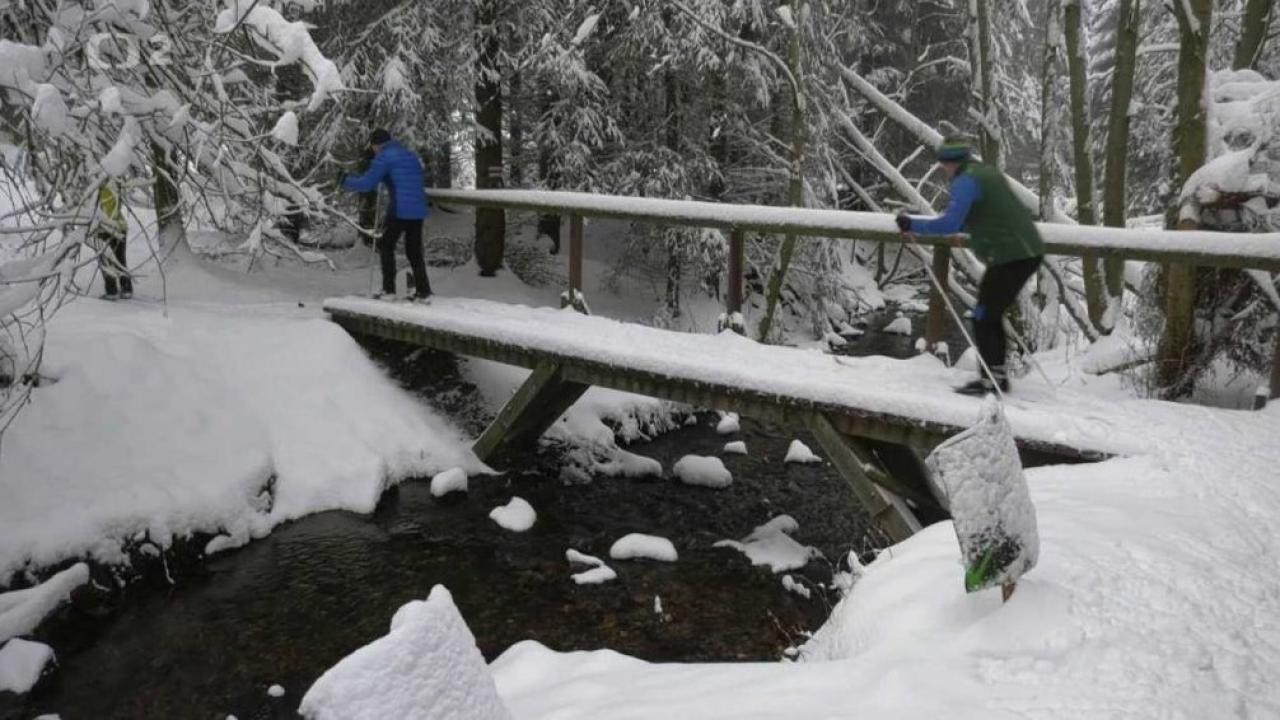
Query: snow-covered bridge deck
[[906, 402]]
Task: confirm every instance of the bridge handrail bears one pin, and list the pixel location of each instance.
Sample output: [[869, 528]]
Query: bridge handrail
[[1195, 247]]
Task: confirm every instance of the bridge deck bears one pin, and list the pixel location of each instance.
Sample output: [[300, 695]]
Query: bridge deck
[[905, 401]]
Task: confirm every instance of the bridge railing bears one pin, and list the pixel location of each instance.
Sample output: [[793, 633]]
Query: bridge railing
[[1255, 251]]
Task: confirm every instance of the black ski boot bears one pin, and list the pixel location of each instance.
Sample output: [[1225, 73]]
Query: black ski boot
[[984, 386]]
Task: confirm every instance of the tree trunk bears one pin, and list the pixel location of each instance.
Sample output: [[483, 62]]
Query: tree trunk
[[984, 95], [1049, 72], [548, 178], [1253, 32], [1189, 149], [515, 119], [1114, 206], [442, 173], [795, 190], [490, 222], [1082, 153], [168, 201], [671, 93]]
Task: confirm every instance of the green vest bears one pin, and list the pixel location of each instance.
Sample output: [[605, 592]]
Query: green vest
[[1001, 229]]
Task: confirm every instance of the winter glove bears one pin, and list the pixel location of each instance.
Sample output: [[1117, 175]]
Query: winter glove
[[904, 222]]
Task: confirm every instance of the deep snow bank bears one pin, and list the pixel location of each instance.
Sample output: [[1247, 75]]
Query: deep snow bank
[[169, 425]]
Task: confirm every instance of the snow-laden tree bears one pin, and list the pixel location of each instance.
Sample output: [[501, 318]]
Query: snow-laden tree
[[177, 104]]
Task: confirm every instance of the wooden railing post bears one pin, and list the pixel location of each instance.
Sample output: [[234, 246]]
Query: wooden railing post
[[1174, 353], [936, 324], [574, 296], [732, 317], [1273, 388]]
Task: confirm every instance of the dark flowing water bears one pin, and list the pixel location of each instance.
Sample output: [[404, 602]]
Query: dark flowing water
[[285, 608]]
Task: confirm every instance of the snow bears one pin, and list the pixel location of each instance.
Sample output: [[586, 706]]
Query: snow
[[901, 325], [639, 545], [119, 159], [587, 27], [22, 662], [1059, 239], [275, 691], [49, 111], [181, 419], [289, 41], [21, 611], [792, 585], [286, 129], [598, 573], [798, 452], [771, 544], [702, 470], [729, 424], [630, 465], [517, 515], [426, 668], [451, 480], [737, 447]]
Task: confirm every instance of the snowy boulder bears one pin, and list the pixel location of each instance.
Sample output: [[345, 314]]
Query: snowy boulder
[[22, 662], [705, 471], [599, 572], [771, 544], [901, 325], [21, 611], [630, 465], [729, 424], [737, 447], [639, 545], [517, 515], [451, 480], [798, 452], [426, 668]]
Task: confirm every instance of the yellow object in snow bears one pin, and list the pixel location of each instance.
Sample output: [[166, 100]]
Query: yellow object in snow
[[111, 207]]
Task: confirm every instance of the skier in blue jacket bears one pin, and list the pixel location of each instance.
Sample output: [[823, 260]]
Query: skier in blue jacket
[[401, 170]]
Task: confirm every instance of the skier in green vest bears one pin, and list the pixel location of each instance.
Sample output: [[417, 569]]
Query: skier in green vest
[[1002, 234]]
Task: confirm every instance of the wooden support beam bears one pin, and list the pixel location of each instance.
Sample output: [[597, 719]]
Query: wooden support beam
[[889, 513], [538, 403], [908, 476], [936, 324]]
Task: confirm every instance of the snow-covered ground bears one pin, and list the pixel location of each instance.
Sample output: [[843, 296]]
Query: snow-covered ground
[[1156, 596]]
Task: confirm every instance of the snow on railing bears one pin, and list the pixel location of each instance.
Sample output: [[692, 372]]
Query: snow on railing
[[1212, 249]]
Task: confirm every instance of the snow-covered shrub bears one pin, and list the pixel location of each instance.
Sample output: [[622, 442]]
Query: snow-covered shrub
[[529, 260]]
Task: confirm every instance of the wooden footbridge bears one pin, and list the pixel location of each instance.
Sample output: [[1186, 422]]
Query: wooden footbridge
[[873, 417]]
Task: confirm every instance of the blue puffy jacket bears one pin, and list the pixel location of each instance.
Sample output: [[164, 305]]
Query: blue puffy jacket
[[400, 168]]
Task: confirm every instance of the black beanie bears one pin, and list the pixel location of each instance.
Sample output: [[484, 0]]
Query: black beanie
[[379, 137]]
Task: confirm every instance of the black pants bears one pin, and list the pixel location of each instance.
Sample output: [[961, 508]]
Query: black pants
[[115, 269], [996, 293], [412, 231]]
